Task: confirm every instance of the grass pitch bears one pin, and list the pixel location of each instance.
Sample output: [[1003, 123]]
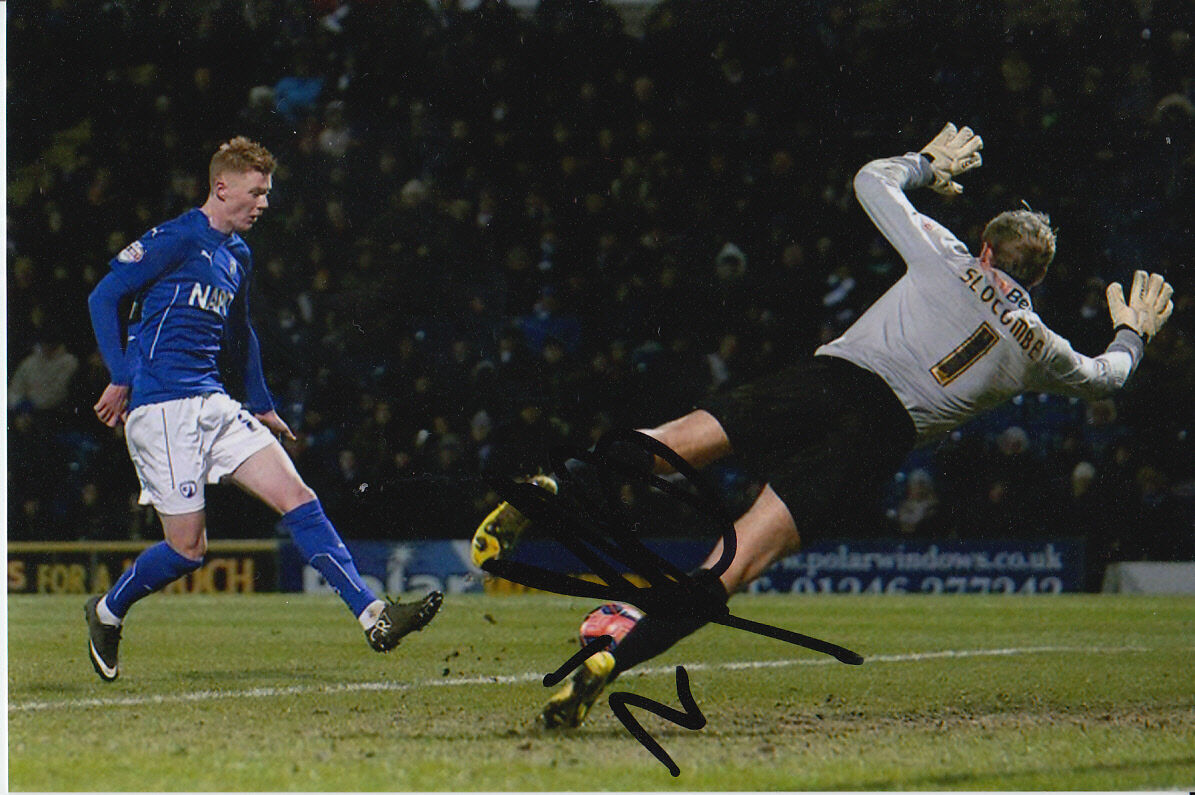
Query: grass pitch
[[280, 692]]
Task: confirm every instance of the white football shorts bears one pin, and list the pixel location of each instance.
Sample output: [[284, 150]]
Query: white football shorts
[[179, 445]]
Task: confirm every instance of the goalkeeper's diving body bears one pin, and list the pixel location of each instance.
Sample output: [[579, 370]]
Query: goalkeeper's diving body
[[954, 336], [189, 278]]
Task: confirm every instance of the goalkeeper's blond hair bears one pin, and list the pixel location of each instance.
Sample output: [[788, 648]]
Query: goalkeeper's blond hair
[[240, 155], [1022, 244]]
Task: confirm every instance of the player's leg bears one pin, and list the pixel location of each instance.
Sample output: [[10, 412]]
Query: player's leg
[[763, 534], [270, 475], [825, 435], [696, 437], [180, 554], [155, 568], [247, 453], [163, 445]]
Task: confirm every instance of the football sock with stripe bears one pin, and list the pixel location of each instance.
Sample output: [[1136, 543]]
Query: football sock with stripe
[[154, 569], [655, 634], [321, 547]]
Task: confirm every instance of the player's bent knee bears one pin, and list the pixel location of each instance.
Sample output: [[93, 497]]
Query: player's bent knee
[[301, 494], [188, 543], [191, 550], [294, 489], [186, 534]]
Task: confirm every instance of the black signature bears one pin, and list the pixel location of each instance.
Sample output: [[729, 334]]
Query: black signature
[[595, 525]]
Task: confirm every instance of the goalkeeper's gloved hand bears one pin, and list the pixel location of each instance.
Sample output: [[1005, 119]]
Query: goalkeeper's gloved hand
[[952, 152], [1149, 304]]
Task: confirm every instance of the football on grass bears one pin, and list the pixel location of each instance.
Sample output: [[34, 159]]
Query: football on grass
[[615, 619]]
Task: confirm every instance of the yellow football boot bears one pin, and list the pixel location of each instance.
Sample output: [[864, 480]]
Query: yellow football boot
[[499, 533], [567, 708]]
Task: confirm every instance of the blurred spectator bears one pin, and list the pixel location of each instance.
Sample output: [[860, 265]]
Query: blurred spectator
[[296, 94], [521, 445], [28, 520], [722, 361], [506, 253], [344, 493], [479, 441], [90, 517], [42, 380], [336, 138], [1017, 483], [260, 119], [1083, 511], [1154, 533], [917, 513]]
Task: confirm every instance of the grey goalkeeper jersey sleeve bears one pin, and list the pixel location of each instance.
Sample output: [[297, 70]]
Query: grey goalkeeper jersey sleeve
[[952, 338]]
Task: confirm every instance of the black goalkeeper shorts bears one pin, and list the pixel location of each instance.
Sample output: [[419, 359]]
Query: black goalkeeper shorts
[[825, 434]]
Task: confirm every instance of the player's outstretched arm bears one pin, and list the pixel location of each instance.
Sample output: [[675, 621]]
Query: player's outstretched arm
[[1134, 323], [880, 187]]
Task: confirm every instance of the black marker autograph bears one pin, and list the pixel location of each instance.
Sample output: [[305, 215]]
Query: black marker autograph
[[594, 525]]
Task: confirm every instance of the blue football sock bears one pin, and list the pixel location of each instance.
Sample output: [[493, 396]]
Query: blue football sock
[[321, 547], [153, 570]]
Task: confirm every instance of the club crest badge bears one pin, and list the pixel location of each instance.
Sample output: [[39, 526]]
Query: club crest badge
[[187, 488], [133, 252]]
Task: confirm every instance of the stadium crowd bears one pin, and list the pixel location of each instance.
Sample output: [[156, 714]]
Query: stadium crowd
[[495, 231]]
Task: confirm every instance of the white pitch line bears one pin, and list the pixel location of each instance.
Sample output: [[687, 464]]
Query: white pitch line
[[355, 687]]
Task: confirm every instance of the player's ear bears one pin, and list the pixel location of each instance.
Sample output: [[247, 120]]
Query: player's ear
[[986, 254]]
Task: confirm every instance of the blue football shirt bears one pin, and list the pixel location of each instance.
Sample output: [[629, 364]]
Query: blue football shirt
[[191, 283]]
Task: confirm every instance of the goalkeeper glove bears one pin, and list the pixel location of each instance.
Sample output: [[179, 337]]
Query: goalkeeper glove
[[952, 152], [1148, 308]]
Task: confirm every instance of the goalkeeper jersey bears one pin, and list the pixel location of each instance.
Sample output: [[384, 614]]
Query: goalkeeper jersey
[[951, 337]]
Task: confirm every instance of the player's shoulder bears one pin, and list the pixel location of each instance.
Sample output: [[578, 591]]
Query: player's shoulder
[[180, 229], [947, 242], [163, 239], [240, 250], [1041, 343], [942, 257], [187, 223]]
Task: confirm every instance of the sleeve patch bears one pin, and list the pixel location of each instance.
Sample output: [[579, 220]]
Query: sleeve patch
[[133, 252]]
